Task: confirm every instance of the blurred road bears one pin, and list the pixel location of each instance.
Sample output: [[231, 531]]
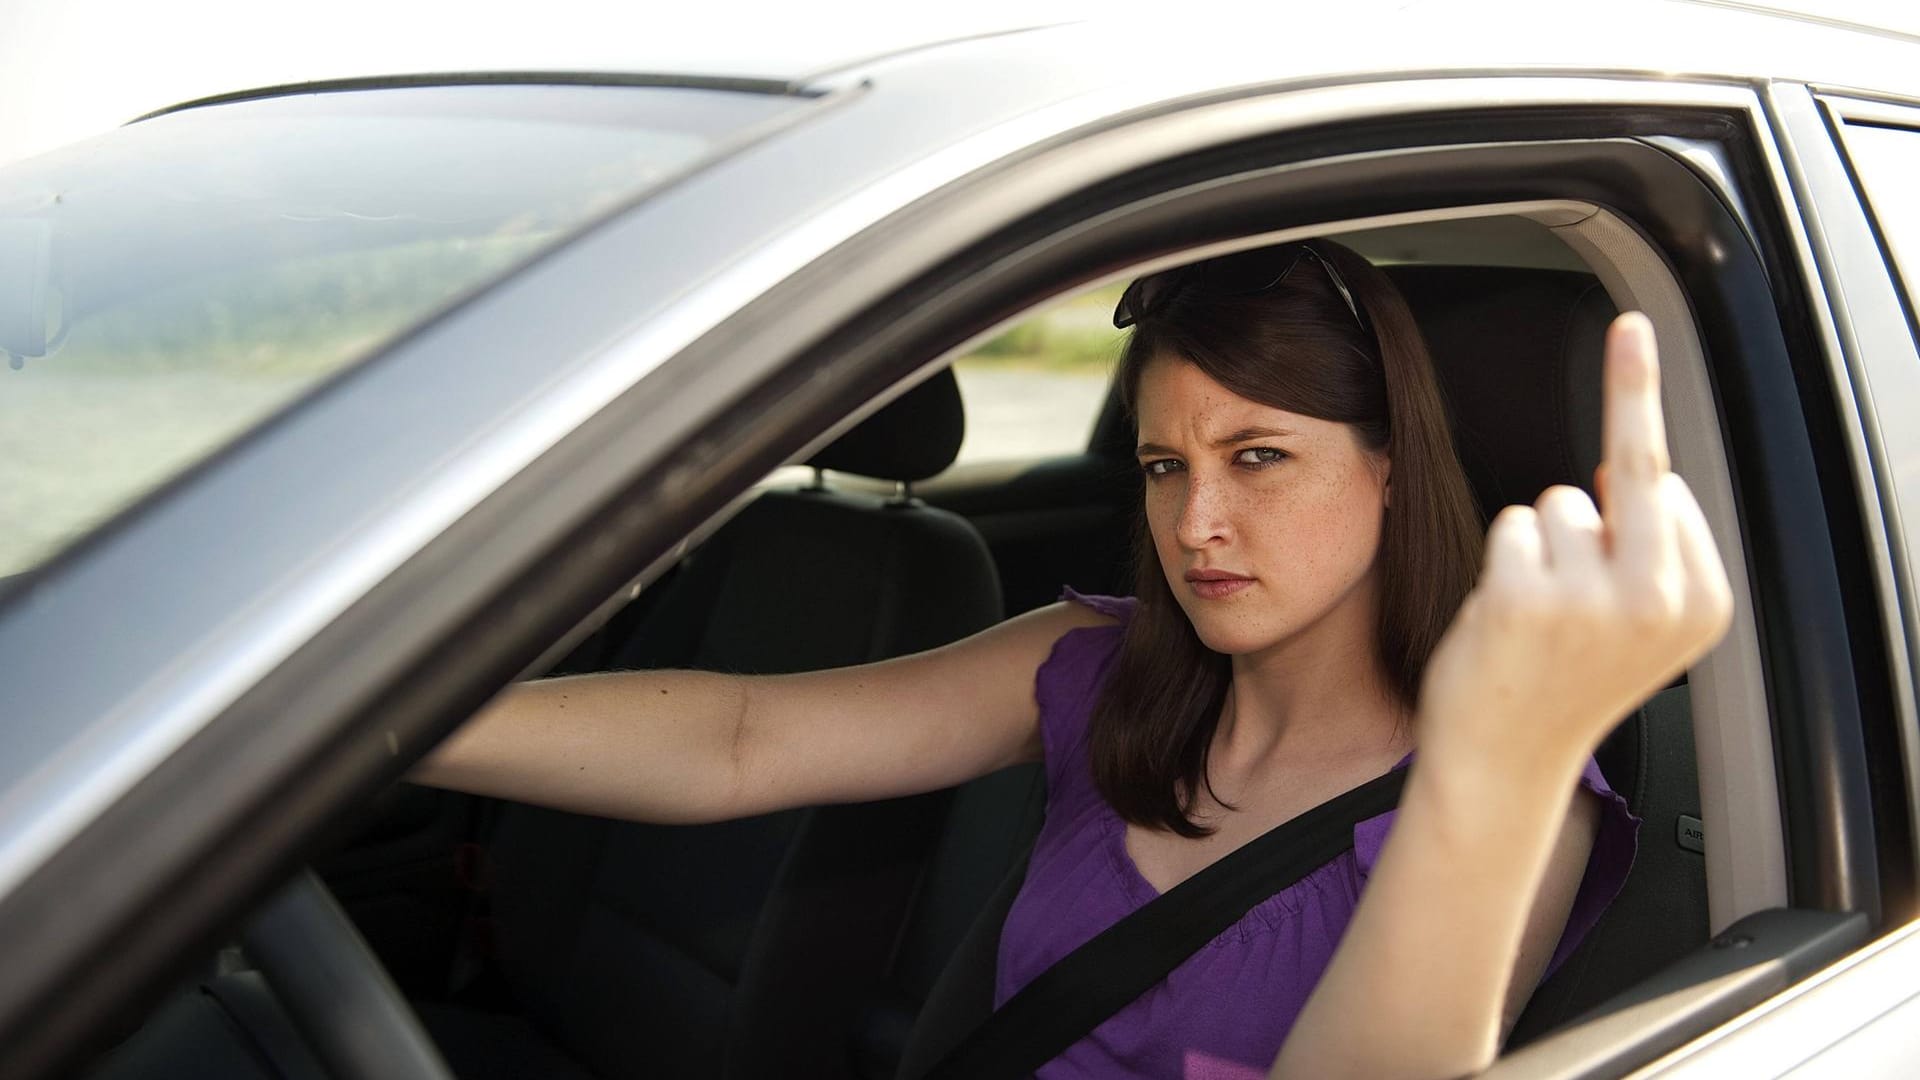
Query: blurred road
[[1017, 411]]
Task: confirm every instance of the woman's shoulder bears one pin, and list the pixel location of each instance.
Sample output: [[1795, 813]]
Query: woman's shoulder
[[1077, 665], [1092, 628], [1117, 609]]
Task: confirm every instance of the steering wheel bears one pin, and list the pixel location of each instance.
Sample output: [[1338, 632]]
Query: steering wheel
[[353, 1017]]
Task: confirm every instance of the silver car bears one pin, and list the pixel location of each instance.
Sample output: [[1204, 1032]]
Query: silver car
[[331, 409]]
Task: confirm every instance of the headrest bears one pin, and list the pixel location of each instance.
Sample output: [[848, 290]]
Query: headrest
[[1518, 355], [915, 436]]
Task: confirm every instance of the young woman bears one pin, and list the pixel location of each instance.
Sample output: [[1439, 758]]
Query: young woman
[[1312, 608]]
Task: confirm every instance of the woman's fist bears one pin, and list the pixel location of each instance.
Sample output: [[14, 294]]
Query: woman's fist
[[1582, 613]]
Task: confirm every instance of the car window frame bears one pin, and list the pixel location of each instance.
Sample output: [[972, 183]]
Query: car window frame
[[1857, 1014], [1875, 344]]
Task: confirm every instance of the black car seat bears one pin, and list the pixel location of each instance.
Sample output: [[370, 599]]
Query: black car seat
[[739, 950], [1518, 355]]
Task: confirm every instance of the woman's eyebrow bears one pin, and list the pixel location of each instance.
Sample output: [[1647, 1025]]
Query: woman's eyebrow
[[1247, 434]]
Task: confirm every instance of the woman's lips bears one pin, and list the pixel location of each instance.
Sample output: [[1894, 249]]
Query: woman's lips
[[1214, 588]]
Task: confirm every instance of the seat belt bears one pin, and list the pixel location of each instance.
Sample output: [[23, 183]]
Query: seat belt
[[1081, 990]]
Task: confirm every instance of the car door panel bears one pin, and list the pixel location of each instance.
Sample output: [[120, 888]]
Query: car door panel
[[407, 878], [1752, 960]]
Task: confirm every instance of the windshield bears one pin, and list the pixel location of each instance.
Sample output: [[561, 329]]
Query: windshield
[[168, 286]]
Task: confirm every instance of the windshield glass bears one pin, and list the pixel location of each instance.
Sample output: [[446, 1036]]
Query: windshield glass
[[166, 287]]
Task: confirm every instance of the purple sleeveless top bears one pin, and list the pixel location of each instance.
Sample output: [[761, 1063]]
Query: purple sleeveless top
[[1223, 1013]]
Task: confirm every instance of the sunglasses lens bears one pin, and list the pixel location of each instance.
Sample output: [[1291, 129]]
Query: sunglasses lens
[[1249, 273], [1140, 298], [1124, 311]]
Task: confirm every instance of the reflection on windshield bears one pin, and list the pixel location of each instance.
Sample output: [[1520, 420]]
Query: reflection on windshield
[[167, 287]]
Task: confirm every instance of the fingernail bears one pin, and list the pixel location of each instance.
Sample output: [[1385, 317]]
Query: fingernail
[[1638, 326]]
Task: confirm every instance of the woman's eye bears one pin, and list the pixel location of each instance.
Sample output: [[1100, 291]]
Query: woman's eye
[[1160, 466], [1259, 455]]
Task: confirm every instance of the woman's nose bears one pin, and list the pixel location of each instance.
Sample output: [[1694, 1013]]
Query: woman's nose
[[1203, 514]]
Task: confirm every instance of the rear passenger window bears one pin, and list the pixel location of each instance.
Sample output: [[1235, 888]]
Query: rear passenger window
[[1887, 160], [1035, 389]]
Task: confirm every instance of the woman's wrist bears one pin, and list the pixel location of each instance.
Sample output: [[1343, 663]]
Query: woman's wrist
[[1497, 763]]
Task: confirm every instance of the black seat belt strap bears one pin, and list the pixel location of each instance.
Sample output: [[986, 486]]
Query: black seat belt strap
[[1085, 987]]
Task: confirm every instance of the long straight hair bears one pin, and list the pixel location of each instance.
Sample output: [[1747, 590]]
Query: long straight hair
[[1295, 347]]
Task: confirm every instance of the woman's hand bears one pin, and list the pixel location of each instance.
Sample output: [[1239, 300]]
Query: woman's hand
[[1580, 615]]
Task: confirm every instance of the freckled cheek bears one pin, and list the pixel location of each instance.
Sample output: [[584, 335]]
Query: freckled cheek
[[1318, 531]]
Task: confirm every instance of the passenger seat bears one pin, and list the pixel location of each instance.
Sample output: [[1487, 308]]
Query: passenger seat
[[740, 950]]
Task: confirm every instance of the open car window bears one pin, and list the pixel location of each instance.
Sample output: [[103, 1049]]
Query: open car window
[[1035, 389]]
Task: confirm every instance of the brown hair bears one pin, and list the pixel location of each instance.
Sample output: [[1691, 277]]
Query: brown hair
[[1297, 347]]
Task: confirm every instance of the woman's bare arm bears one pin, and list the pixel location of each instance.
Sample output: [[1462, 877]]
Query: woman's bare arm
[[687, 746], [1552, 904], [1577, 618]]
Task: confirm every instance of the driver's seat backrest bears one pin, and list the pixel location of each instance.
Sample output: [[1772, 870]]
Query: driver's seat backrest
[[737, 949]]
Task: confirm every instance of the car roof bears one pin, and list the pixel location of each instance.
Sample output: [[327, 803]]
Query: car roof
[[1858, 44]]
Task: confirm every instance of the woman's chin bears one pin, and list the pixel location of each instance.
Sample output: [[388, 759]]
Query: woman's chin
[[1230, 628], [1230, 641]]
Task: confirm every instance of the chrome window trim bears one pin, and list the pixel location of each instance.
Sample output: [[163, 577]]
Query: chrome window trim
[[1871, 352], [1852, 104], [739, 84]]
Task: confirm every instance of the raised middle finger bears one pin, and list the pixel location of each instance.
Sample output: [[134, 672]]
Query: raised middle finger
[[1640, 534]]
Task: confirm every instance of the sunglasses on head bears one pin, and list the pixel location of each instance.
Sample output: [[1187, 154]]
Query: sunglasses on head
[[1246, 273]]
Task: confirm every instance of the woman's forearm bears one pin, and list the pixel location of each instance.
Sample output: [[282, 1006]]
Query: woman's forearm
[[683, 747], [1419, 983], [659, 746]]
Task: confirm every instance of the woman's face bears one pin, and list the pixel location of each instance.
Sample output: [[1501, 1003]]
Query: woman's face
[[1265, 521]]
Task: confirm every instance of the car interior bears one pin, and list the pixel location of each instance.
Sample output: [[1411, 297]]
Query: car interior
[[857, 941]]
